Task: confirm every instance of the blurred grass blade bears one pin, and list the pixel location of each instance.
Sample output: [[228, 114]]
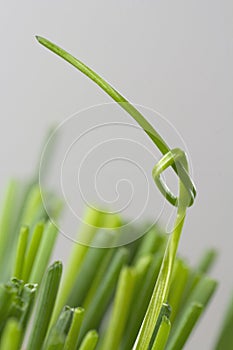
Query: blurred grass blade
[[140, 303], [121, 308], [32, 251], [8, 227], [90, 341], [20, 253], [11, 336], [179, 281], [91, 264], [93, 219], [207, 261], [162, 335], [225, 338], [98, 306], [44, 253], [187, 322]]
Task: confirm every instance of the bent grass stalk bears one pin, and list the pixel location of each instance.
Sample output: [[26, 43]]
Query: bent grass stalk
[[140, 278]]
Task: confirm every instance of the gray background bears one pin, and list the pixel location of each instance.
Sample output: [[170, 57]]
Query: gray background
[[173, 56]]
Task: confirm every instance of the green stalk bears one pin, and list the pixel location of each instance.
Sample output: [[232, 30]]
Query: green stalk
[[98, 305], [93, 219], [121, 308], [91, 264], [99, 277], [152, 242], [162, 286], [43, 255], [207, 261], [128, 107], [186, 325], [57, 334], [32, 207], [28, 296], [225, 337], [162, 335], [44, 307], [7, 225], [20, 253], [201, 294], [11, 337], [90, 341], [32, 251], [56, 342], [7, 295], [140, 302], [73, 334], [179, 281]]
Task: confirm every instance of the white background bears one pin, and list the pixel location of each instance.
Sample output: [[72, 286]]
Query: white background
[[173, 56]]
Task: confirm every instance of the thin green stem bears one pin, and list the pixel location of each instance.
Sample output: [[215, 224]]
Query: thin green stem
[[45, 304], [128, 107], [92, 220], [20, 253], [44, 253], [90, 341], [186, 325], [162, 286], [57, 334], [207, 261], [32, 251], [73, 334], [179, 281], [11, 336], [140, 303], [121, 308], [98, 305], [162, 335], [91, 264]]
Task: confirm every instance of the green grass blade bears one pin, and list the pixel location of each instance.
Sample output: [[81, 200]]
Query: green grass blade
[[28, 296], [57, 334], [116, 96], [33, 207], [207, 261], [189, 319], [128, 107], [44, 253], [98, 306], [225, 338], [11, 337], [93, 219], [73, 334], [90, 341], [99, 277], [7, 228], [20, 253], [162, 335], [140, 303], [44, 307], [179, 281], [91, 264], [32, 251], [121, 308], [152, 242]]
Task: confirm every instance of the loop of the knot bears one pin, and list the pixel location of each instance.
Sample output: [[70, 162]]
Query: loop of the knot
[[177, 159]]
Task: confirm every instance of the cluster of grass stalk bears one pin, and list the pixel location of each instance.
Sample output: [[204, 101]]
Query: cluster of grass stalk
[[104, 294], [102, 298], [138, 297]]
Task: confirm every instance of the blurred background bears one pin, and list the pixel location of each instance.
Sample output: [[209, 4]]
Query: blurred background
[[174, 57]]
